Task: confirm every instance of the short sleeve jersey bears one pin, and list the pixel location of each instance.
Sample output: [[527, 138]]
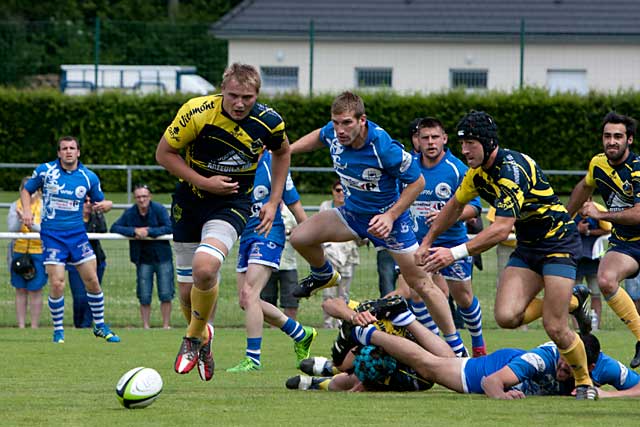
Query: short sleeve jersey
[[261, 194], [516, 186], [370, 174], [441, 182], [610, 371], [64, 193], [620, 189], [215, 144]]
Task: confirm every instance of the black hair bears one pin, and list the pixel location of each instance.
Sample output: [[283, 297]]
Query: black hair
[[629, 122]]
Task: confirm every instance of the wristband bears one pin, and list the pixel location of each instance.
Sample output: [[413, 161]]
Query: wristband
[[460, 251]]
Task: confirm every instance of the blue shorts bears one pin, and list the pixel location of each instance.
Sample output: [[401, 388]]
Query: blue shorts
[[35, 284], [459, 271], [258, 250], [556, 257], [474, 370], [66, 247], [401, 238]]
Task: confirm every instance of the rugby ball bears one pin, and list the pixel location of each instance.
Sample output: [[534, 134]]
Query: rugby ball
[[139, 387]]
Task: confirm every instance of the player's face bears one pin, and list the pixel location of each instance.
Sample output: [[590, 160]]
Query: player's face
[[238, 100], [473, 152], [432, 142], [349, 129], [415, 141], [143, 198], [615, 142], [68, 154], [563, 372]]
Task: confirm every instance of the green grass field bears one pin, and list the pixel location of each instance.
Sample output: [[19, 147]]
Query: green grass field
[[73, 384]]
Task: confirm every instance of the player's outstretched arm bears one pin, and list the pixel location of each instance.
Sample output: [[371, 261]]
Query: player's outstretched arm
[[307, 143], [579, 195], [495, 384]]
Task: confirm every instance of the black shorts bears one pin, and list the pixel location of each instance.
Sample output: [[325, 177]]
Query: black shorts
[[557, 257], [189, 214]]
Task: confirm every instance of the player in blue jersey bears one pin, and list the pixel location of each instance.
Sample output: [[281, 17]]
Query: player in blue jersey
[[65, 184], [258, 256], [370, 164], [509, 373], [547, 241], [221, 137], [443, 173], [616, 174]]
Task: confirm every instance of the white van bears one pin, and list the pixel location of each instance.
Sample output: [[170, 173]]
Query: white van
[[80, 79]]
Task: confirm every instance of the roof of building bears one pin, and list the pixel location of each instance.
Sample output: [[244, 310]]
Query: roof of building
[[432, 19]]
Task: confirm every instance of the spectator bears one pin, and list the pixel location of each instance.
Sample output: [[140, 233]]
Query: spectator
[[590, 230], [284, 280], [28, 277], [632, 286], [143, 220], [344, 256], [94, 222]]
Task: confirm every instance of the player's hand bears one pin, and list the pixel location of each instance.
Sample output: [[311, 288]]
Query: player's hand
[[420, 256], [267, 215], [101, 207], [583, 226], [381, 225], [221, 185], [27, 218], [363, 319], [513, 395], [589, 210], [438, 259], [431, 216]]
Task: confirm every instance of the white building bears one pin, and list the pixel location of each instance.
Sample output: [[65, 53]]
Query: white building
[[433, 46]]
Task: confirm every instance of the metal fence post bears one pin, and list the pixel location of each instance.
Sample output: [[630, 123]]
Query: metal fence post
[[311, 43], [521, 52], [97, 53]]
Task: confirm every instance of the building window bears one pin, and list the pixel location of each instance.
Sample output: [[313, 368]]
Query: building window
[[279, 79], [374, 77], [469, 79], [567, 81]]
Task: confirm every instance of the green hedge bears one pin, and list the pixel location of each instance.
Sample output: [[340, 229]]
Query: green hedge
[[560, 131]]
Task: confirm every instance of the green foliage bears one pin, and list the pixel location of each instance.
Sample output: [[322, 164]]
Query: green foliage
[[559, 131]]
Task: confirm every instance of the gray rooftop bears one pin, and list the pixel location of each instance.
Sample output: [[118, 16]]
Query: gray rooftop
[[432, 19]]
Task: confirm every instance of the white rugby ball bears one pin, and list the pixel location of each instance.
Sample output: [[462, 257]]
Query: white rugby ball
[[139, 387]]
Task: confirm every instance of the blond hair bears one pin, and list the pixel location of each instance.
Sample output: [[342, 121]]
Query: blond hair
[[244, 74]]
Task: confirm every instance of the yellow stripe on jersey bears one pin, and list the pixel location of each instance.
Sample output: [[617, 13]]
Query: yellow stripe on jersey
[[518, 188], [620, 189], [215, 144]]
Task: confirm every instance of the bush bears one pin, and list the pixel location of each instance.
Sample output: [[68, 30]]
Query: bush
[[558, 131]]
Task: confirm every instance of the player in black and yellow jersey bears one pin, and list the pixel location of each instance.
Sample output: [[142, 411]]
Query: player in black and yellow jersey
[[357, 368], [547, 240], [616, 174], [221, 138]]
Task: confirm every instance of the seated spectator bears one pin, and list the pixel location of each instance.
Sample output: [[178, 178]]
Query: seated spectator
[[148, 219]]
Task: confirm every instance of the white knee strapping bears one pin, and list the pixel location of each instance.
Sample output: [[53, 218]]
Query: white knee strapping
[[220, 230], [211, 250]]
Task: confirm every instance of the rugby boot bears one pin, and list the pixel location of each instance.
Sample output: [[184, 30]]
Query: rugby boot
[[635, 362], [206, 365], [106, 333], [247, 365], [187, 357], [582, 313], [302, 348], [309, 285], [586, 392], [304, 382], [318, 366]]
